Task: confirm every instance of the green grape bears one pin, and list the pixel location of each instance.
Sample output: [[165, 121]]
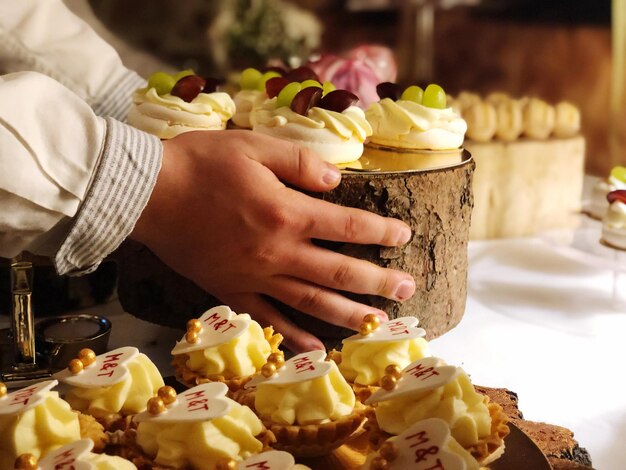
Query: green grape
[[249, 79], [162, 82], [183, 73], [310, 83], [619, 173], [413, 93], [434, 97], [327, 87], [264, 78], [285, 97]]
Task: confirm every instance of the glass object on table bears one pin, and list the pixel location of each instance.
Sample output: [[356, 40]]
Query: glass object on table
[[19, 358]]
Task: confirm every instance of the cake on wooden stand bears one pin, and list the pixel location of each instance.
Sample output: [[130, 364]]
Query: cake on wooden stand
[[529, 164]]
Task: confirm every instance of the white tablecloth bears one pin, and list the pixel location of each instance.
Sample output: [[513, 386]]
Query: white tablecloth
[[543, 324]]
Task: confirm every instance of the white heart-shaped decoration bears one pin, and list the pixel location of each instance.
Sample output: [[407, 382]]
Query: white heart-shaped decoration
[[392, 330], [422, 375], [69, 457], [219, 326], [201, 403], [270, 460], [423, 447], [107, 370], [301, 368], [28, 397]]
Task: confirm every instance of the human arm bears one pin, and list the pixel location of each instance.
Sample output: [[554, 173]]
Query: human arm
[[46, 37]]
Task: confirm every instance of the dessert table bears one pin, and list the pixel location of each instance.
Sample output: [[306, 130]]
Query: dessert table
[[540, 320], [537, 322]]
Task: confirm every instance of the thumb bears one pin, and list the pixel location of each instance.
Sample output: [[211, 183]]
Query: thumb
[[294, 164]]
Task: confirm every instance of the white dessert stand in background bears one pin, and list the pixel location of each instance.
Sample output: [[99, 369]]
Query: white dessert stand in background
[[583, 245]]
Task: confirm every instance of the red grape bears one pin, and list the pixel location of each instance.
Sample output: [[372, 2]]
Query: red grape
[[338, 100], [188, 87], [305, 99]]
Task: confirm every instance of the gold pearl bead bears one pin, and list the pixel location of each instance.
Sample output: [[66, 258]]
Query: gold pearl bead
[[268, 369], [3, 390], [379, 463], [388, 451], [192, 336], [393, 370], [26, 462], [388, 382], [167, 394], [226, 464], [156, 406], [372, 320], [365, 329], [194, 325], [87, 356], [76, 366], [276, 357]]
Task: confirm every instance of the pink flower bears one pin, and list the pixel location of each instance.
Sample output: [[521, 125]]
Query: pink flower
[[359, 71]]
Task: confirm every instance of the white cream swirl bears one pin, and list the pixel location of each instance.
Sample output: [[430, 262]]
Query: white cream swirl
[[202, 444], [126, 397], [365, 363], [245, 102], [167, 116], [406, 124], [310, 402], [239, 357], [109, 462], [457, 403], [38, 430], [336, 137]]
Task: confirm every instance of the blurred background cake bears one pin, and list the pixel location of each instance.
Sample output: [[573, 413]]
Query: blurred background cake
[[530, 164]]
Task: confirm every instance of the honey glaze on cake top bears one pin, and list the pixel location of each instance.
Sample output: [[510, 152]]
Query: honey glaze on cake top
[[34, 420], [74, 456], [415, 119], [173, 104], [427, 444], [315, 115]]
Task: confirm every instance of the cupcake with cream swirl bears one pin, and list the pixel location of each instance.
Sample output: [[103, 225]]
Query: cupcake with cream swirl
[[413, 129], [313, 115], [171, 105]]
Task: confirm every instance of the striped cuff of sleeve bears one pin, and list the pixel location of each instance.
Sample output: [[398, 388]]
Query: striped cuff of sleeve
[[126, 174], [116, 100]]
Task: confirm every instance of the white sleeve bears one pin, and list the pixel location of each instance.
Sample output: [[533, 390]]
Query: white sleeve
[[44, 36], [71, 183]]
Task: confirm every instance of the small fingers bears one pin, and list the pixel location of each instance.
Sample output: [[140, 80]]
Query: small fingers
[[326, 221], [294, 338], [293, 164], [337, 271], [320, 302]]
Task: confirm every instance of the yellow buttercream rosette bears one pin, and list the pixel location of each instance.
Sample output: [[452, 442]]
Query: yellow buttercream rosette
[[34, 420], [197, 429], [428, 388], [112, 386], [306, 403], [223, 346], [365, 356]]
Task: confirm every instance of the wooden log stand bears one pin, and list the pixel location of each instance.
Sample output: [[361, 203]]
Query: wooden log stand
[[436, 203]]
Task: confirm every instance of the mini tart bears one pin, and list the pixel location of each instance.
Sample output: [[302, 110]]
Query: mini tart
[[113, 400], [130, 450], [312, 440], [485, 451], [191, 378]]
